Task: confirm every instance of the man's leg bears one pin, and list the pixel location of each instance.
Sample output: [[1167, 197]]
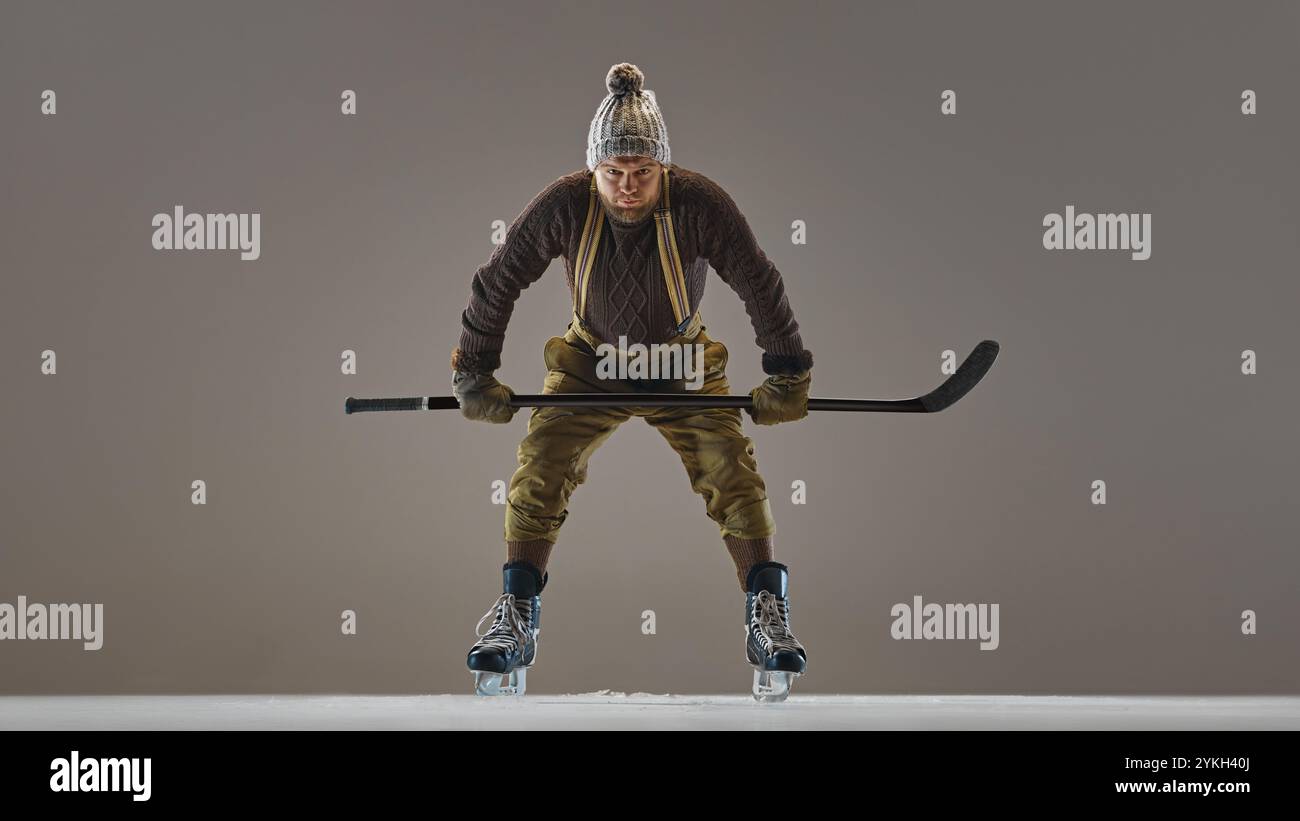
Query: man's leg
[[553, 456], [719, 459]]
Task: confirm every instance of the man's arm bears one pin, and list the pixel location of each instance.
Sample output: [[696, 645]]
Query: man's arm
[[730, 247], [532, 241]]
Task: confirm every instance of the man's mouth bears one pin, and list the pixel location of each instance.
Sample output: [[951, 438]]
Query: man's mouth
[[628, 202]]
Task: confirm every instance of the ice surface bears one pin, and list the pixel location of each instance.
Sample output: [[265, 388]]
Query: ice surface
[[611, 710]]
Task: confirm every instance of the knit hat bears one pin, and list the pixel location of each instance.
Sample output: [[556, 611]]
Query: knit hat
[[628, 121]]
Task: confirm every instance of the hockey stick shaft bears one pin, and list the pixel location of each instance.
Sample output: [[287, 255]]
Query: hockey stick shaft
[[623, 400], [968, 374]]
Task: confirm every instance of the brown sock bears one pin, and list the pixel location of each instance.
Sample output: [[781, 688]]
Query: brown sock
[[534, 551], [746, 553]]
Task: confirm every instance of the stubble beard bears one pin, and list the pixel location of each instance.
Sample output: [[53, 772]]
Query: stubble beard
[[627, 216]]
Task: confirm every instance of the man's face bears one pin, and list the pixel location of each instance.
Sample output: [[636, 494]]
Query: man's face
[[620, 179]]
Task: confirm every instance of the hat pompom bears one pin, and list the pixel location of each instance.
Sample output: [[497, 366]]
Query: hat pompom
[[624, 79]]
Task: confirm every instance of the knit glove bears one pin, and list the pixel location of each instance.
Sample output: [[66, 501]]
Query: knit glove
[[781, 398], [482, 398]]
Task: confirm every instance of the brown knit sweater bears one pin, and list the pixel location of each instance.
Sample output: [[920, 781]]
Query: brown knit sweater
[[626, 295]]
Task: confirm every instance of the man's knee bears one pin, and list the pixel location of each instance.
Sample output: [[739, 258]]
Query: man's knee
[[542, 482], [552, 462], [726, 462]]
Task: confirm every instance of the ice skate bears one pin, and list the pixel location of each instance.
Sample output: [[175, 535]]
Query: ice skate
[[502, 656], [775, 654]]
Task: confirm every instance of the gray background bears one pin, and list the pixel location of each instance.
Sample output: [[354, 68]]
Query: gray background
[[924, 234]]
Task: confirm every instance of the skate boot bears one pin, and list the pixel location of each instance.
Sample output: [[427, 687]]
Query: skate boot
[[502, 656], [773, 651]]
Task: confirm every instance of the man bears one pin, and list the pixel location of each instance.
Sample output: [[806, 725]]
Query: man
[[637, 235]]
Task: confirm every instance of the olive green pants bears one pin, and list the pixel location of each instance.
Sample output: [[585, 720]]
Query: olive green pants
[[553, 456]]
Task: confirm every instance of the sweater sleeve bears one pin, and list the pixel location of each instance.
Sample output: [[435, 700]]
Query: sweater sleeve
[[730, 247], [534, 239]]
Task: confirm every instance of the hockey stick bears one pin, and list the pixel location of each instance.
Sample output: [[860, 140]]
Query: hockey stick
[[968, 375]]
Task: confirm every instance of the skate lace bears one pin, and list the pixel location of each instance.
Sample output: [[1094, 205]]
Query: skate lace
[[771, 623], [511, 628]]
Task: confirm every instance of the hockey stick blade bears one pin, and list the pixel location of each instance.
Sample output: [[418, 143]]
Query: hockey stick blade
[[968, 375]]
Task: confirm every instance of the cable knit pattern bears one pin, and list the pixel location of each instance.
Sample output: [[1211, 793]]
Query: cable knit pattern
[[626, 295], [625, 306]]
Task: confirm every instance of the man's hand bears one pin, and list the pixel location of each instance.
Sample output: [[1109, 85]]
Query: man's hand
[[782, 398], [482, 398]]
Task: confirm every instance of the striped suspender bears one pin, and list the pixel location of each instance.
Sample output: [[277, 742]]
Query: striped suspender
[[587, 247], [671, 261], [669, 258]]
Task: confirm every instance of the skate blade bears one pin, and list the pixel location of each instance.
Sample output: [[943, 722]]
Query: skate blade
[[501, 684], [772, 685]]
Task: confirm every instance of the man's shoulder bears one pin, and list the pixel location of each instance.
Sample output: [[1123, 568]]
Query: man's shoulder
[[560, 195], [696, 189], [569, 185], [579, 180]]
